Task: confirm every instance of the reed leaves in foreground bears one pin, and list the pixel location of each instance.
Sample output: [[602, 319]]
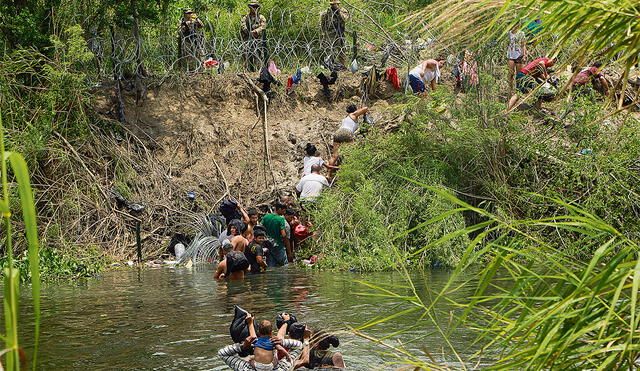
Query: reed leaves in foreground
[[536, 307], [11, 282]]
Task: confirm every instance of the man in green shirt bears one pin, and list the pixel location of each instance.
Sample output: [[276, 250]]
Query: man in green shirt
[[276, 227]]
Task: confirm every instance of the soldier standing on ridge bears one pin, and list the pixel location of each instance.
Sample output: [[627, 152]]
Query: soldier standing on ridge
[[253, 34], [333, 29], [190, 38]]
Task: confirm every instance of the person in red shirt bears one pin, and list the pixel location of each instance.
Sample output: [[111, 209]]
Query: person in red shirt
[[537, 68], [593, 74], [529, 77]]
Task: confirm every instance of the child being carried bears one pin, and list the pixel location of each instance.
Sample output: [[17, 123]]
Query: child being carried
[[264, 358]]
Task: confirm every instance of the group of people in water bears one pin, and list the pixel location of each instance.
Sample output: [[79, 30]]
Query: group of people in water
[[252, 245], [294, 345], [251, 242]]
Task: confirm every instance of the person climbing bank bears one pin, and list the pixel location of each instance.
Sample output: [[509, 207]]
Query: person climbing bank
[[594, 75], [313, 158], [311, 186], [530, 77], [425, 73], [516, 53], [346, 131]]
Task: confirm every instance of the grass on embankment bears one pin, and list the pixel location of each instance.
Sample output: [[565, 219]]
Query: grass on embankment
[[488, 159]]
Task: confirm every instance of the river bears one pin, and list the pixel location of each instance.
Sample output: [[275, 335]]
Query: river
[[177, 318]]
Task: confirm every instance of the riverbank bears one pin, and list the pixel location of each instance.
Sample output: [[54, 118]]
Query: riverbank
[[194, 134], [508, 164], [200, 134]]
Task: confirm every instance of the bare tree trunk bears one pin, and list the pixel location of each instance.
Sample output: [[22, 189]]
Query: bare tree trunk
[[116, 77], [140, 72]]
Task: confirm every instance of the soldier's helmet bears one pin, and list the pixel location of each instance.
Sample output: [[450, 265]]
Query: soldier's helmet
[[334, 2], [187, 11], [253, 4]]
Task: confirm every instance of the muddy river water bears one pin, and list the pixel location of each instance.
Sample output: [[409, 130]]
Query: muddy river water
[[177, 318]]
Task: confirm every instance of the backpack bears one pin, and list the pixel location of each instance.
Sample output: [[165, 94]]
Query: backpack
[[280, 321], [239, 330], [236, 261], [301, 232], [229, 209]]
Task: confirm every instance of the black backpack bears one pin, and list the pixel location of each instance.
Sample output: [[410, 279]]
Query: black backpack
[[239, 330], [229, 209], [236, 261], [280, 321]]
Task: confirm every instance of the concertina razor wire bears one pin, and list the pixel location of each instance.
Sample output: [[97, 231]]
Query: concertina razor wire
[[293, 39]]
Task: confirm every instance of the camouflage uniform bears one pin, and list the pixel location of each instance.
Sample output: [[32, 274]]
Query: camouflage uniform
[[333, 23], [254, 45], [191, 39]]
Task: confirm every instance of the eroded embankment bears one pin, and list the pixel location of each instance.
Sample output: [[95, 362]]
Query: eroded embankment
[[203, 134]]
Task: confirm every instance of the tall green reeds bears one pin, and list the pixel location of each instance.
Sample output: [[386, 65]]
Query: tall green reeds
[[11, 280], [535, 306]]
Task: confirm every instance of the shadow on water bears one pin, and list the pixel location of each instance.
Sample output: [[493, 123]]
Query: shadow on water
[[178, 318]]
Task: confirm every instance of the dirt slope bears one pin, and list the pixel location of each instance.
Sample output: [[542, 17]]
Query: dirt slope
[[189, 126]]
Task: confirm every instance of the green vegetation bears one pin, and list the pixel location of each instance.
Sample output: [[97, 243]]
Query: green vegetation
[[11, 281], [559, 282], [535, 306], [45, 99], [498, 161]]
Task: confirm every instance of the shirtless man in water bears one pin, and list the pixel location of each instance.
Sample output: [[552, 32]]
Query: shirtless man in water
[[233, 266]]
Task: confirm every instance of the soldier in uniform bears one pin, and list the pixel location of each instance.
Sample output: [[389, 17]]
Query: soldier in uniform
[[190, 38], [253, 33], [333, 28]]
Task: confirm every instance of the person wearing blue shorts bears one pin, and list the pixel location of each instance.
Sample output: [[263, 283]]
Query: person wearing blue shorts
[[427, 72]]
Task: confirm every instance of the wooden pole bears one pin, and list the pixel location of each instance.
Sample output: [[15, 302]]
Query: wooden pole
[[265, 100], [138, 242]]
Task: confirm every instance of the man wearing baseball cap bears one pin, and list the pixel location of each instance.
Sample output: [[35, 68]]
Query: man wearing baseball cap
[[190, 38], [252, 30], [333, 22]]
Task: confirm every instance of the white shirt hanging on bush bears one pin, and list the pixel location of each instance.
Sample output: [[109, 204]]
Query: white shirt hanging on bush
[[354, 66]]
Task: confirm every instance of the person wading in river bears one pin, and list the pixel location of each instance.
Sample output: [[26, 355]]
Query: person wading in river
[[320, 356], [233, 266], [253, 222], [280, 254], [255, 253], [235, 235]]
